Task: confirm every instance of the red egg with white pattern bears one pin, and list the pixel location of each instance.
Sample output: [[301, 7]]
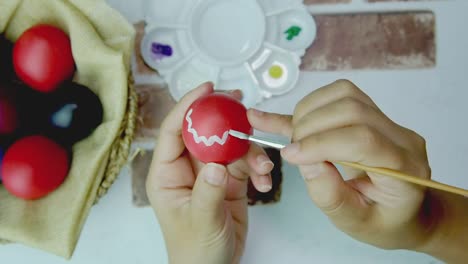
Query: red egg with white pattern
[[206, 129]]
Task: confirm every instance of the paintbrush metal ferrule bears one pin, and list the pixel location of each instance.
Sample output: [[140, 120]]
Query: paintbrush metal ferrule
[[255, 139]]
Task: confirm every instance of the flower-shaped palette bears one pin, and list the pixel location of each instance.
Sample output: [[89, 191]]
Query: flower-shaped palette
[[251, 45]]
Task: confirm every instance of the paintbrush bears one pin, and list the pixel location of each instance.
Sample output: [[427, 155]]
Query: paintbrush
[[382, 171]]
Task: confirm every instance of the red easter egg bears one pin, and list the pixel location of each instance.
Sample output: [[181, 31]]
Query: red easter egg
[[206, 129], [42, 57], [33, 167]]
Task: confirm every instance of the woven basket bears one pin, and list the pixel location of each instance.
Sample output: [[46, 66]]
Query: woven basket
[[120, 149], [111, 37]]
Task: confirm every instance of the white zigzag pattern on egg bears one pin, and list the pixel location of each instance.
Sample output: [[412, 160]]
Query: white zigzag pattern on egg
[[199, 139]]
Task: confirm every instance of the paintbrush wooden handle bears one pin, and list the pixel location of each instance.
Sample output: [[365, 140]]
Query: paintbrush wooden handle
[[408, 178], [382, 171]]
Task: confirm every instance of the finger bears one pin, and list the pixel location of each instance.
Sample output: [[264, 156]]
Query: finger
[[367, 188], [167, 171], [208, 195], [177, 176], [257, 165], [258, 160], [341, 203], [347, 112], [361, 144], [237, 94], [387, 192], [170, 144], [260, 168], [330, 93], [353, 173], [270, 122], [262, 182]]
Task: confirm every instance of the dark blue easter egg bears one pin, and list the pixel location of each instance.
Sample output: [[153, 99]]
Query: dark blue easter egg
[[74, 113]]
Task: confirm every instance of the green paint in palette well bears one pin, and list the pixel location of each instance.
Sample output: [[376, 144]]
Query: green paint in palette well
[[293, 32]]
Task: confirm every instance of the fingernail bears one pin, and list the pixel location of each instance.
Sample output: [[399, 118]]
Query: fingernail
[[206, 86], [215, 174], [256, 112], [291, 150], [311, 172], [235, 91], [264, 185], [265, 162], [207, 83], [238, 94]]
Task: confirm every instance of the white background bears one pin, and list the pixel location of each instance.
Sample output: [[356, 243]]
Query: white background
[[432, 102]]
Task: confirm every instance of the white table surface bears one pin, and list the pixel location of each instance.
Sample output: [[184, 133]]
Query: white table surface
[[431, 101]]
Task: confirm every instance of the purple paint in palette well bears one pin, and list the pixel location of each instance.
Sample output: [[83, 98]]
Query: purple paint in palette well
[[160, 51]]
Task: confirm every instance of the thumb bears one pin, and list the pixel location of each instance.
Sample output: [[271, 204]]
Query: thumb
[[208, 195], [339, 201]]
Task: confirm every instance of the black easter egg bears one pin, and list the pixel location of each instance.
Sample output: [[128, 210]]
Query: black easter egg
[[7, 71], [8, 112], [75, 112], [32, 110]]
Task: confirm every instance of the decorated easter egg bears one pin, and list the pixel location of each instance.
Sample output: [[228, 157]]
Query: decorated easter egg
[[42, 57], [74, 113], [34, 166], [206, 129]]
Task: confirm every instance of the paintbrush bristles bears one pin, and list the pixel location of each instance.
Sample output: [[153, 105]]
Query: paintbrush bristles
[[238, 134]]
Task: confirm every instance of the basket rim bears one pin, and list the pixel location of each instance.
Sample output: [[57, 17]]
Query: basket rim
[[121, 147]]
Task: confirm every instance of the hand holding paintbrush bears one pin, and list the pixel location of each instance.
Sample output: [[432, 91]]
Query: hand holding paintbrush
[[381, 171], [382, 203]]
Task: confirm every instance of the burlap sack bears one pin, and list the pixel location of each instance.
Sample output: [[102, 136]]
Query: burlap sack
[[102, 43]]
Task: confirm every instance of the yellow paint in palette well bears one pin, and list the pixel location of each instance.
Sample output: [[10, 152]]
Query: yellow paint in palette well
[[276, 72]]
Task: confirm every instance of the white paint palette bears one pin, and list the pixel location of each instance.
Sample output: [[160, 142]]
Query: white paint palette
[[251, 45]]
